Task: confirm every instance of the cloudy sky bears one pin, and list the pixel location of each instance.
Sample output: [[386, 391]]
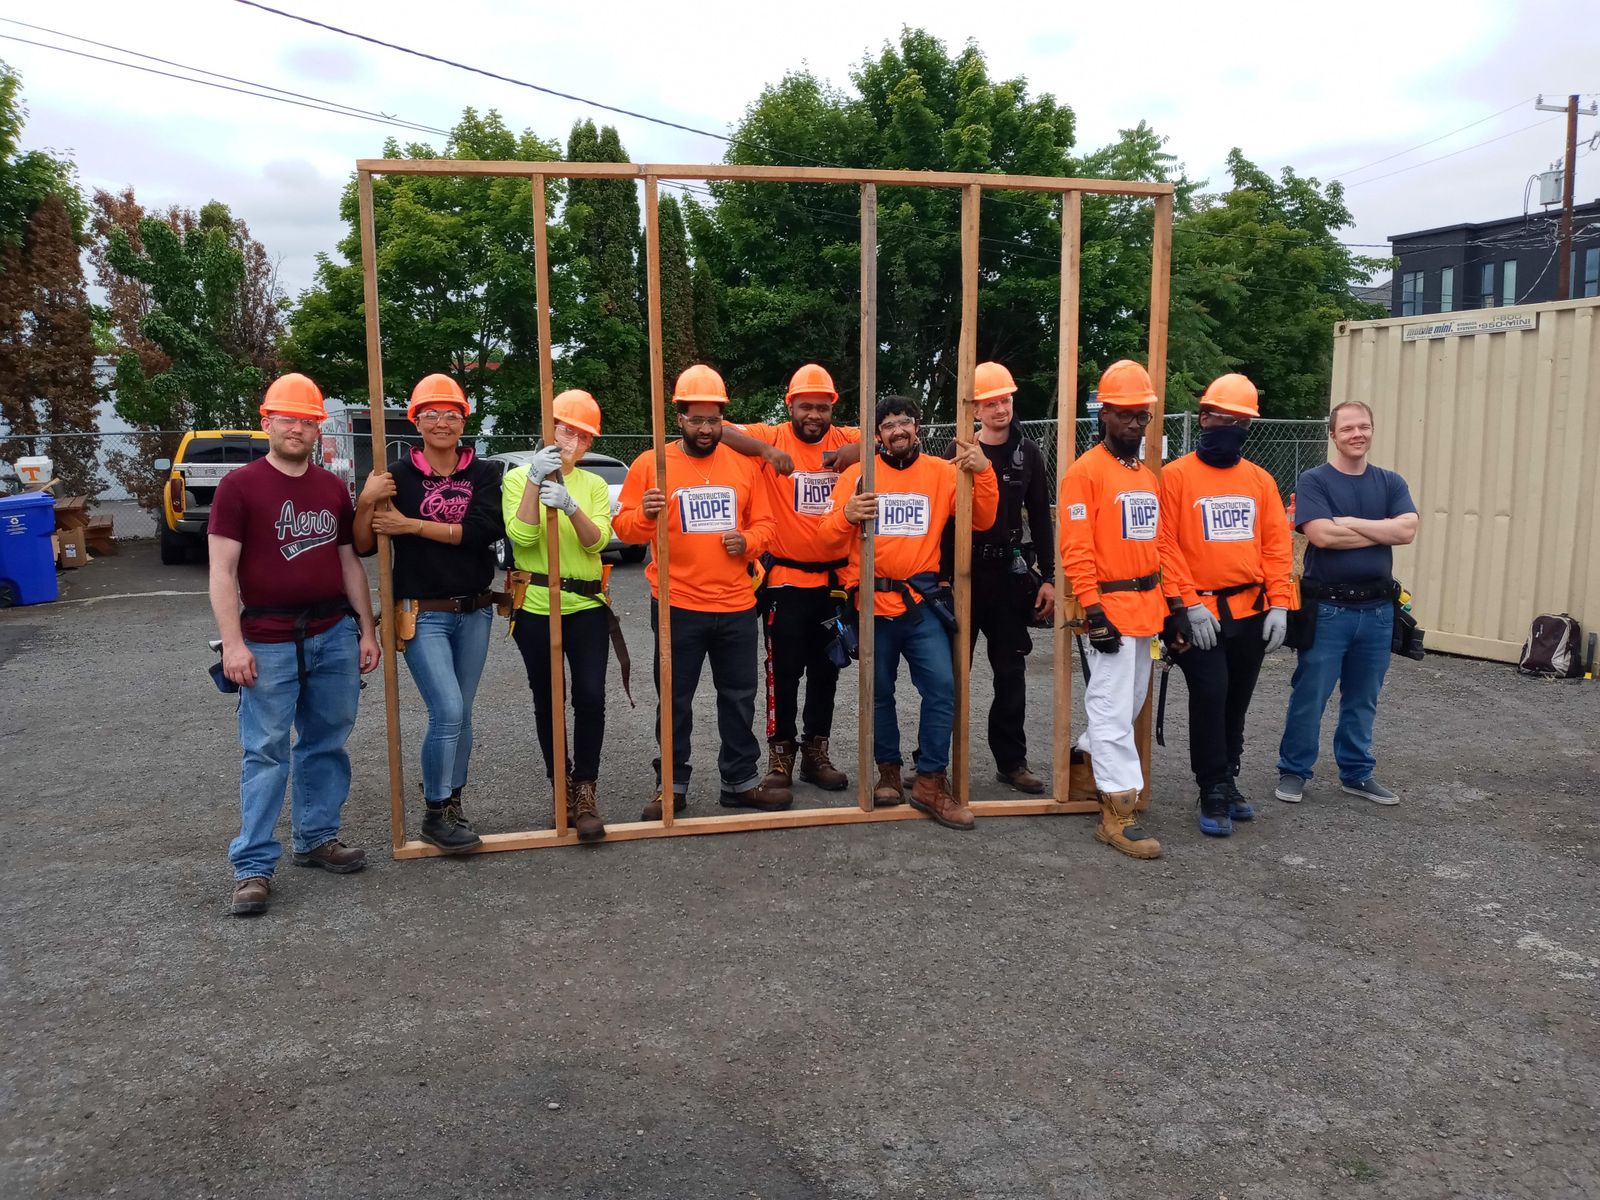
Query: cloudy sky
[[1330, 93]]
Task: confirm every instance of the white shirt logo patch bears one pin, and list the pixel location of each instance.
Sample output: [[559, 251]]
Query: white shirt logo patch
[[813, 492], [1140, 513], [706, 509], [903, 514], [1077, 512], [1227, 518]]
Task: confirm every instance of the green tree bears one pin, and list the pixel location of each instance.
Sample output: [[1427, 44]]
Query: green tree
[[455, 281], [26, 179], [607, 351], [678, 348], [1261, 267]]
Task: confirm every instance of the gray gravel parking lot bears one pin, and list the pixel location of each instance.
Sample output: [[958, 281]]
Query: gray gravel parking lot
[[1340, 1000]]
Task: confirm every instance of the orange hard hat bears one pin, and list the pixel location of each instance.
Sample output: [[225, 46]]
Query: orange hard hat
[[436, 389], [1234, 394], [294, 395], [812, 380], [578, 409], [1126, 384], [699, 384], [991, 381]]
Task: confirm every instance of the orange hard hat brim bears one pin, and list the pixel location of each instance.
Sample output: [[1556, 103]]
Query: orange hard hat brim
[[575, 423], [417, 406], [1237, 410], [294, 408], [995, 393]]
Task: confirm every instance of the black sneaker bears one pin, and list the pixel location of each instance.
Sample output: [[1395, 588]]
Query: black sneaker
[[441, 828]]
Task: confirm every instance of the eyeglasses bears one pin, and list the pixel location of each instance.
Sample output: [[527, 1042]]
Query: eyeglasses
[[700, 422], [284, 424], [1227, 419], [895, 424], [1141, 418], [435, 416]]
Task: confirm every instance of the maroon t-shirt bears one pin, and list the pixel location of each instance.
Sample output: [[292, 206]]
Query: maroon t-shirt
[[290, 528]]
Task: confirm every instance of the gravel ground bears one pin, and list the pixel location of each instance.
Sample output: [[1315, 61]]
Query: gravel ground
[[1341, 999]]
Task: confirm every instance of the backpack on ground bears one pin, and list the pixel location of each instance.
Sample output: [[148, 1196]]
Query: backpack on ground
[[1551, 651]]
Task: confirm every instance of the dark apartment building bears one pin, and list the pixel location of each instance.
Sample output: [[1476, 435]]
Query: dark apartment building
[[1488, 264]]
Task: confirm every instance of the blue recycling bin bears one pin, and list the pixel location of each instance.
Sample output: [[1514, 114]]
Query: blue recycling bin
[[27, 563]]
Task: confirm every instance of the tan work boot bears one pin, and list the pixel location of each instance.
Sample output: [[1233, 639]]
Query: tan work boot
[[780, 766], [767, 799], [931, 794], [890, 790], [652, 811], [1119, 830], [1080, 778], [817, 768], [1022, 779], [582, 813]]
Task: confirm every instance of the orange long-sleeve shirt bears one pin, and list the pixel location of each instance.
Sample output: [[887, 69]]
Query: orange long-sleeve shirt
[[1110, 517], [799, 502], [706, 497], [1221, 527], [913, 506]]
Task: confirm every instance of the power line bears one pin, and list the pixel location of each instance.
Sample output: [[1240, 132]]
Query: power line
[[1428, 161], [338, 110], [1429, 142]]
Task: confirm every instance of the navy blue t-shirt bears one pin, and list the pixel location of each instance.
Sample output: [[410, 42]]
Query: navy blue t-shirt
[[1325, 492]]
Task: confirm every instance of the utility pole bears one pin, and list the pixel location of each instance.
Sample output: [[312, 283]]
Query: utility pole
[[1564, 267]]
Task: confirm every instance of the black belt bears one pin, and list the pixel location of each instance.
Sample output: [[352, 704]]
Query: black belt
[[302, 618], [796, 564], [456, 604], [578, 587], [1349, 593], [1225, 611], [1144, 583]]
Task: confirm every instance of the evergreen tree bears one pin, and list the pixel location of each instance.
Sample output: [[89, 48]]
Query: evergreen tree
[[678, 348]]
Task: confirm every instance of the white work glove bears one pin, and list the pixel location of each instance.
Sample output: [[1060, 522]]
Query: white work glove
[[546, 461], [555, 495], [1203, 627], [1276, 628]]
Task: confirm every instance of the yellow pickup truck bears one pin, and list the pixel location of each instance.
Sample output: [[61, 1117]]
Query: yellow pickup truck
[[203, 458]]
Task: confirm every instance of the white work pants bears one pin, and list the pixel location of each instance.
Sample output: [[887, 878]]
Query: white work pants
[[1118, 684]]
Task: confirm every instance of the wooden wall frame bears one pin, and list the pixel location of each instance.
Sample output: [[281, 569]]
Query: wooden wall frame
[[972, 187]]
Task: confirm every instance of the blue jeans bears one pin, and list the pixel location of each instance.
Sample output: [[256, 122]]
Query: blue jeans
[[1351, 649], [446, 661], [926, 647], [322, 711]]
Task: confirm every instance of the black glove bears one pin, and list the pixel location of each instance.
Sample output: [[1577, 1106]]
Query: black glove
[[1103, 635], [1177, 632]]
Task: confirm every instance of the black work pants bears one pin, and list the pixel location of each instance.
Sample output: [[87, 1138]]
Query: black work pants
[[1000, 611], [586, 643], [797, 644], [728, 640], [1221, 681]]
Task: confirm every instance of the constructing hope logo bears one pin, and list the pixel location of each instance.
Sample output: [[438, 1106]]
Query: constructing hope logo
[[305, 531], [902, 514], [813, 491], [706, 509], [1227, 518], [1140, 513]]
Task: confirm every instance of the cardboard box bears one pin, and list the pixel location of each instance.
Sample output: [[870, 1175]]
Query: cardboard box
[[74, 549]]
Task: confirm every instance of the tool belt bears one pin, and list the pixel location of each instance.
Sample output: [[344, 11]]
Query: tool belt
[[991, 552], [921, 589], [819, 568], [1225, 610], [592, 588], [302, 618], [1144, 583], [456, 604], [1350, 593]]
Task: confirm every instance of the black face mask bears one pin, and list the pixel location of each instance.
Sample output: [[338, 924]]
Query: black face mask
[[1221, 445]]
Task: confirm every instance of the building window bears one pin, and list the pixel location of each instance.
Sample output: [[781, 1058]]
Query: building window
[[1486, 286], [1411, 294], [1508, 282], [1591, 273], [1447, 289]]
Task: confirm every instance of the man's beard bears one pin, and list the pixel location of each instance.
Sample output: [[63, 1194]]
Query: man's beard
[[1124, 447], [287, 452], [694, 450], [804, 437]]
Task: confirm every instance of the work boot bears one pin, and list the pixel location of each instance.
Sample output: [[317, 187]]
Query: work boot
[[889, 790], [780, 765], [817, 768], [1119, 830], [583, 814], [250, 896], [1239, 807], [442, 828], [1214, 818], [652, 811], [332, 855], [453, 805], [931, 794], [1080, 778], [1022, 779], [767, 799]]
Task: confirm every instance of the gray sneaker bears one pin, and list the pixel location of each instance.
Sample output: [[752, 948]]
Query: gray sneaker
[[1372, 790], [1291, 788]]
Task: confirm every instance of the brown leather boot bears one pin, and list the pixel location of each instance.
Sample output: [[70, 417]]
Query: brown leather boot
[[652, 811], [250, 896], [931, 794], [582, 813], [767, 799], [817, 768], [890, 789], [1022, 779], [780, 765], [333, 856], [1080, 778], [1119, 830]]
